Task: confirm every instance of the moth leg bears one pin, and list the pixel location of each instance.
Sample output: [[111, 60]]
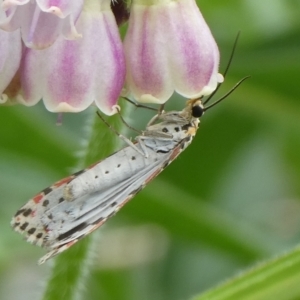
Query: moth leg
[[158, 116], [122, 137], [141, 143], [137, 105], [126, 124], [153, 120]]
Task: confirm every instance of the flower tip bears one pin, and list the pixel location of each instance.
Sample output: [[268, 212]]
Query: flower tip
[[212, 85], [56, 11], [114, 109], [220, 78], [3, 98], [207, 90], [63, 107]]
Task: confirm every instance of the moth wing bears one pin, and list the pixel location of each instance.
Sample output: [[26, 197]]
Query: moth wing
[[27, 219], [96, 208]]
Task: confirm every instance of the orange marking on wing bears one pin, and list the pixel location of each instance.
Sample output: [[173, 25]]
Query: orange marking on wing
[[37, 198], [175, 153], [153, 175], [125, 201], [97, 226], [71, 243], [63, 181]]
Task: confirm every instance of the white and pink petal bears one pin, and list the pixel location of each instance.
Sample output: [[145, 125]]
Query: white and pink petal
[[169, 47], [61, 8], [10, 57], [194, 54], [71, 75], [41, 22], [146, 59]]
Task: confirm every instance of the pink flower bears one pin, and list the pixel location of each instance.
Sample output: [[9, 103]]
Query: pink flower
[[69, 53], [71, 75], [42, 21], [169, 47]]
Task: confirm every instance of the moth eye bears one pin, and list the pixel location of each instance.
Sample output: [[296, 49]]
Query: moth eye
[[197, 111]]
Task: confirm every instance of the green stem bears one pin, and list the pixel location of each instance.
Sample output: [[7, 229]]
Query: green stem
[[72, 266]]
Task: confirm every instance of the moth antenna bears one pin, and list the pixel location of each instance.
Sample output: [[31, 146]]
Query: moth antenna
[[228, 93]]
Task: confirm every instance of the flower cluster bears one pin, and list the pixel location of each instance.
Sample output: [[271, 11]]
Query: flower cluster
[[69, 52]]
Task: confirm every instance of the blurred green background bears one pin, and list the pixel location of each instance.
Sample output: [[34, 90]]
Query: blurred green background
[[229, 201]]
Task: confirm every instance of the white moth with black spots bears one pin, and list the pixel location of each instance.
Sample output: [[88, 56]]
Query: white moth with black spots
[[73, 207]]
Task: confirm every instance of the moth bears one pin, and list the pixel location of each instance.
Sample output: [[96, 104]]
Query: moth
[[73, 207]]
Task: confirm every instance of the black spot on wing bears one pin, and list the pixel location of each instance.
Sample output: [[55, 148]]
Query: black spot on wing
[[184, 142], [72, 231], [162, 151], [111, 214], [23, 227], [186, 126], [20, 211], [45, 203], [98, 221], [188, 139], [27, 212], [39, 235], [134, 192], [47, 190], [165, 164], [79, 172], [31, 230]]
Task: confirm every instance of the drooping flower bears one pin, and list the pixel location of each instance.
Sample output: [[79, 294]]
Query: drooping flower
[[169, 47], [72, 74]]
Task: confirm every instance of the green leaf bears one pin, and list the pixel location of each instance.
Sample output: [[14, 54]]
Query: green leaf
[[275, 279]]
